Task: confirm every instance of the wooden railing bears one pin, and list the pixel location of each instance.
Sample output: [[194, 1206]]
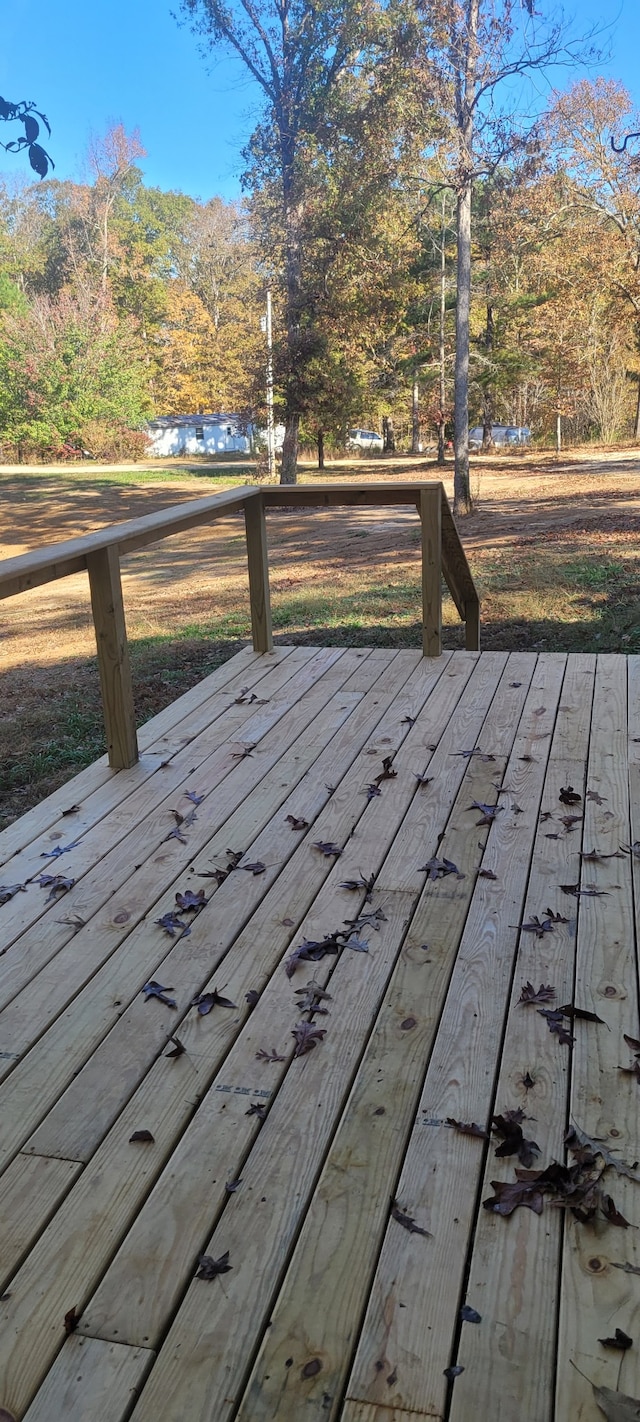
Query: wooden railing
[[100, 553]]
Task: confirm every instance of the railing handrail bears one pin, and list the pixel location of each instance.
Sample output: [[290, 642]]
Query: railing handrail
[[99, 554]]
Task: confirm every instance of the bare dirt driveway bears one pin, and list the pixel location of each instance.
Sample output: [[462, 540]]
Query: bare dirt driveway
[[553, 546]]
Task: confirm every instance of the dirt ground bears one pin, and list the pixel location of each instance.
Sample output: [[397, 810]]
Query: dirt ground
[[553, 546]]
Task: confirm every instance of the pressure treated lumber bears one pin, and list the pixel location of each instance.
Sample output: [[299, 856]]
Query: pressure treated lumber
[[431, 530], [90, 1379], [114, 665], [258, 565]]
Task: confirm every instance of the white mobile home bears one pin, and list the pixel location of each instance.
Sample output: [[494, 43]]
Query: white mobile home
[[198, 434]]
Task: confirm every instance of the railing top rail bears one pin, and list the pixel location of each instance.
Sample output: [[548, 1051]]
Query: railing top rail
[[58, 560], [351, 493]]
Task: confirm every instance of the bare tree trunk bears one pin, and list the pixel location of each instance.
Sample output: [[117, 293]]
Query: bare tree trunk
[[463, 503], [289, 466], [558, 433], [320, 449], [636, 431], [443, 311], [415, 417], [487, 412]]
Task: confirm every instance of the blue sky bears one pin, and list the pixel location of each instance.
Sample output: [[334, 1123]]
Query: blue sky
[[90, 62]]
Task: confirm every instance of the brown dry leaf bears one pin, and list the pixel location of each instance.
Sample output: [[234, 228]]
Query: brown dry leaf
[[581, 1013], [206, 1000], [56, 884], [570, 822], [372, 791], [612, 1214], [556, 1024], [210, 1268], [71, 1320], [141, 1138], [257, 1109], [7, 891], [153, 989], [488, 812], [407, 1221], [252, 997], [578, 1141], [620, 1340], [307, 1037], [545, 993], [327, 847], [617, 1406], [627, 1268], [468, 1128], [482, 755], [514, 1142], [439, 868], [387, 772], [190, 902], [296, 822], [362, 882], [255, 869], [486, 874], [73, 810], [509, 1194], [593, 795], [272, 1056], [569, 796], [589, 891]]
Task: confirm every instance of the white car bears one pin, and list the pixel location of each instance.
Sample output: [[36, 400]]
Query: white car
[[364, 439]]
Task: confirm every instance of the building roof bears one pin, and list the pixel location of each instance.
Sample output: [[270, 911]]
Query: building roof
[[169, 422]]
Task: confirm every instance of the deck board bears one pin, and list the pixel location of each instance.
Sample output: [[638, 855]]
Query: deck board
[[333, 1309]]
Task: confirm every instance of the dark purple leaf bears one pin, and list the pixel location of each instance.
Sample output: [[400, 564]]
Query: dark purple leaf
[[172, 924], [569, 796], [178, 1048], [156, 990], [555, 1023], [488, 812], [514, 1142], [545, 993], [56, 884], [232, 1185], [255, 869], [252, 997], [372, 791], [476, 751], [141, 1137], [263, 1056], [311, 996], [195, 799], [206, 1000], [620, 1340], [59, 849], [190, 902], [407, 1221], [579, 1012], [468, 1128], [209, 1268], [469, 1314], [327, 847], [439, 868], [257, 1109], [307, 1037], [73, 810], [296, 823], [486, 874], [509, 1194], [453, 1372], [593, 795], [7, 891]]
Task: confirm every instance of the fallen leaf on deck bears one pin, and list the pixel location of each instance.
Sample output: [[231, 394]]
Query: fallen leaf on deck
[[154, 989], [632, 1070], [540, 711], [577, 1141], [545, 993], [366, 920], [569, 796], [232, 1185], [612, 1213], [307, 1037], [244, 700], [509, 1194], [206, 1000], [252, 997], [234, 856], [193, 797], [7, 891], [620, 1340], [633, 1043], [423, 779], [482, 755], [387, 772], [71, 1320], [178, 1048], [486, 874], [312, 950], [209, 1268], [255, 869], [408, 720], [581, 1013], [359, 945], [570, 822], [525, 757], [190, 902], [297, 823], [327, 847], [536, 925], [372, 791], [546, 815], [593, 856], [56, 884], [488, 812], [514, 1142], [589, 892], [633, 849], [453, 1372], [73, 810], [141, 1137], [407, 1221], [468, 1128], [241, 754], [263, 1056], [617, 1407], [556, 1024], [257, 1109], [627, 1268], [172, 924], [439, 868], [361, 883], [593, 795], [469, 1314], [311, 996], [59, 849]]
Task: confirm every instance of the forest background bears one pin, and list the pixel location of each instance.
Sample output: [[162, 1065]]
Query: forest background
[[119, 300]]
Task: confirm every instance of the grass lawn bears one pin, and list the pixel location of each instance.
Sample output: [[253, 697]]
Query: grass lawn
[[554, 552]]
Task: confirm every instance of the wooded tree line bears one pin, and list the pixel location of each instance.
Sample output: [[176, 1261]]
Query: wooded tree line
[[380, 184]]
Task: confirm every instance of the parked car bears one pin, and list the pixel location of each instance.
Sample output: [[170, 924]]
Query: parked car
[[364, 439], [501, 434]]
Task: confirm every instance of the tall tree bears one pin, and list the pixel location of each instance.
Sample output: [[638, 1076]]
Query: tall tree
[[302, 55], [479, 45]]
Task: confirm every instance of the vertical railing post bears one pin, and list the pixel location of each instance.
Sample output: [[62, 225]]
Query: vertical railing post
[[258, 562], [103, 567], [431, 520]]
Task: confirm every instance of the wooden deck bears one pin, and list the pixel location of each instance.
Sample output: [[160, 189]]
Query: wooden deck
[[348, 1208]]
